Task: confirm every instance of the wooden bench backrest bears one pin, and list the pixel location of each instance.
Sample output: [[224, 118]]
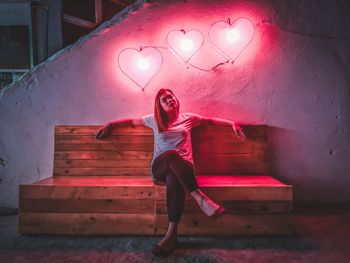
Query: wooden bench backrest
[[129, 151]]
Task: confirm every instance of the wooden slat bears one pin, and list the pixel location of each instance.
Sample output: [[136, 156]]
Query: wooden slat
[[238, 188], [105, 147], [103, 155], [251, 131], [200, 135], [225, 157], [240, 193], [137, 139], [100, 171], [86, 223], [232, 147], [254, 169], [237, 180], [212, 161], [234, 207], [229, 225], [124, 206], [251, 168], [78, 139], [112, 224], [103, 164], [232, 163], [84, 192], [110, 167], [127, 181], [222, 138], [92, 129]]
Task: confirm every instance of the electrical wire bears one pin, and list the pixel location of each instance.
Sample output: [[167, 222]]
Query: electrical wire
[[262, 22], [304, 34], [206, 70]]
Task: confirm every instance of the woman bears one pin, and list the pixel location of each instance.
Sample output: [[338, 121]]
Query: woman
[[172, 162]]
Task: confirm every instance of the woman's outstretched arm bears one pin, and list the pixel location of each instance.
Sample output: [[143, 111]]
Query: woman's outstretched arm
[[106, 129], [217, 121]]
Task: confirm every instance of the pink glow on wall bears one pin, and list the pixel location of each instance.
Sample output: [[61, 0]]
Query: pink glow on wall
[[140, 66], [184, 45], [191, 45], [230, 39]]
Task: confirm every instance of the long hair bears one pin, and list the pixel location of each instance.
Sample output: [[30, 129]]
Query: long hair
[[159, 114]]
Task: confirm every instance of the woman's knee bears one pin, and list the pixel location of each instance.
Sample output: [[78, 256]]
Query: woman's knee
[[173, 155], [172, 181]]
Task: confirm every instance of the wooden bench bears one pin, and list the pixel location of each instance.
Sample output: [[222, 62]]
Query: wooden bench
[[103, 187]]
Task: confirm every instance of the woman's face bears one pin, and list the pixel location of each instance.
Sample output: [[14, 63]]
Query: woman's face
[[168, 102]]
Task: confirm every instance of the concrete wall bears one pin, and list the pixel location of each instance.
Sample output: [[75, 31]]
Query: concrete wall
[[294, 76]]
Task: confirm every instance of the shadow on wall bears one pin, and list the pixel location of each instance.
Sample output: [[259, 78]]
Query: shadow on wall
[[2, 166], [289, 164], [278, 135]]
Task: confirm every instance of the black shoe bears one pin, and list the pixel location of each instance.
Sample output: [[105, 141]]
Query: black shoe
[[160, 252]]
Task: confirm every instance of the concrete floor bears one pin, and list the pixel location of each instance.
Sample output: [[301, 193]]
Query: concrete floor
[[322, 235]]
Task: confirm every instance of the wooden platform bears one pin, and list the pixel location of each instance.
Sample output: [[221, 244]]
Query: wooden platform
[[103, 187]]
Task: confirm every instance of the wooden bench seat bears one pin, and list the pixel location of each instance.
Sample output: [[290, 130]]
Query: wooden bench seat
[[103, 187]]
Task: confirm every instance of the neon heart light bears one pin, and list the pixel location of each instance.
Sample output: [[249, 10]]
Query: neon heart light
[[230, 39], [140, 66], [184, 45]]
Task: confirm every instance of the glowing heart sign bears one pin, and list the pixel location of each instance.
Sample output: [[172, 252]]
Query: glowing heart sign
[[140, 66], [231, 39], [184, 45]]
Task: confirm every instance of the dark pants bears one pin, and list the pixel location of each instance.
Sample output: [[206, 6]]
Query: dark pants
[[178, 174]]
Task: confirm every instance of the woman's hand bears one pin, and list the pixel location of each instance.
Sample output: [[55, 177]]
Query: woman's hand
[[103, 132], [217, 121], [238, 131]]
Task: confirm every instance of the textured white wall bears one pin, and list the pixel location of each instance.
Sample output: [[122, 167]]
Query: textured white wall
[[297, 84]]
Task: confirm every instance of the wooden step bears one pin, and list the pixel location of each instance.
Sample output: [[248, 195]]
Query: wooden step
[[229, 225], [86, 223], [233, 207], [89, 187], [117, 206], [239, 188], [221, 188]]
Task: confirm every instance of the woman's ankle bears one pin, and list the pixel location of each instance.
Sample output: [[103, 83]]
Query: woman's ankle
[[168, 240]]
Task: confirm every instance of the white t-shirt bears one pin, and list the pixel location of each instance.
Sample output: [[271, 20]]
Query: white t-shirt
[[177, 137]]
